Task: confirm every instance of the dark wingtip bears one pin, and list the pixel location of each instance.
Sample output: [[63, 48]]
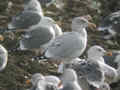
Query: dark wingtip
[[40, 58]]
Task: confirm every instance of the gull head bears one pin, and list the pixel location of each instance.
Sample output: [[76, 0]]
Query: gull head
[[47, 21], [82, 22], [98, 51], [69, 75], [35, 79]]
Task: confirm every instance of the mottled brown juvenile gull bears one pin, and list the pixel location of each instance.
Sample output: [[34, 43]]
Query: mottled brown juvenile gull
[[69, 80], [3, 57], [71, 44]]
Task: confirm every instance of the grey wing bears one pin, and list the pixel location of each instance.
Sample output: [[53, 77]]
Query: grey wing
[[89, 70], [69, 86], [25, 20], [67, 45], [37, 38]]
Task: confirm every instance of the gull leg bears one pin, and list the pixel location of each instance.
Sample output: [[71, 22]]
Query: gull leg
[[61, 67], [39, 55]]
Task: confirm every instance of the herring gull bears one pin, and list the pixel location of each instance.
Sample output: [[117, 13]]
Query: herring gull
[[69, 80], [96, 53], [41, 82], [40, 37], [71, 44], [27, 19]]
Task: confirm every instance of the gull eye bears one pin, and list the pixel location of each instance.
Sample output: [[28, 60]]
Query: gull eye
[[99, 49]]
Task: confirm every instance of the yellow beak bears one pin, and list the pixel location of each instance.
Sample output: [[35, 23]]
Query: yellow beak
[[1, 38], [28, 82], [108, 53], [92, 26]]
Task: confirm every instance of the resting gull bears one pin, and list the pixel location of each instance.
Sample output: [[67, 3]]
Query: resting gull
[[3, 57], [39, 38], [69, 80], [110, 25], [96, 53], [27, 19], [71, 44], [41, 82]]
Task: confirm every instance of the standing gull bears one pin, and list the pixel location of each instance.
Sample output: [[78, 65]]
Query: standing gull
[[70, 44], [3, 57]]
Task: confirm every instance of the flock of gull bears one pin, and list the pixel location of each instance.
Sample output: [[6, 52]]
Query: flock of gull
[[44, 36]]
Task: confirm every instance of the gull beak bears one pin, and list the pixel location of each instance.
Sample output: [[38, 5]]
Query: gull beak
[[28, 81], [92, 26], [108, 53], [1, 38], [60, 84]]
